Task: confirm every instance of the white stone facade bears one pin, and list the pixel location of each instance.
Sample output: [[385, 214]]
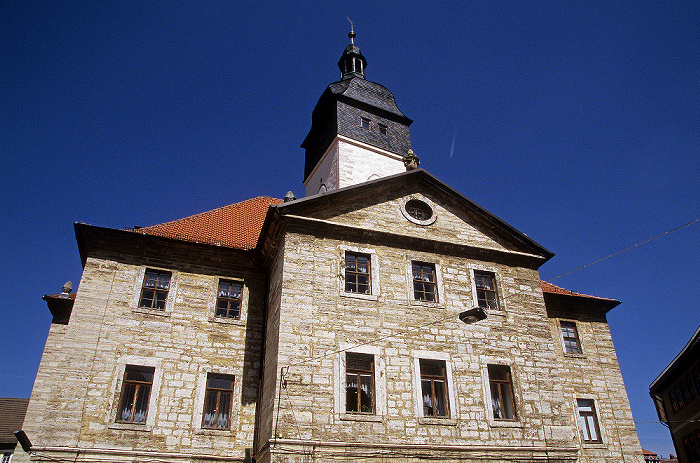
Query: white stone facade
[[349, 162]]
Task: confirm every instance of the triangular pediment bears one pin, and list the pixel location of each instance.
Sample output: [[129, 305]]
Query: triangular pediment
[[444, 216]]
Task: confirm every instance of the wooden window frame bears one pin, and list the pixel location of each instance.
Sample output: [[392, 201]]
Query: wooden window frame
[[383, 129], [433, 378], [217, 394], [482, 291], [155, 303], [229, 301], [569, 334], [351, 287], [366, 123], [586, 417], [137, 395], [502, 386], [420, 283], [358, 373]]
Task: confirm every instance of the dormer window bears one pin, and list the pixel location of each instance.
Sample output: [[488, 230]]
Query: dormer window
[[383, 129], [365, 123]]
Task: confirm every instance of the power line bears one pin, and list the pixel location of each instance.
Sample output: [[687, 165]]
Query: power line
[[627, 249]]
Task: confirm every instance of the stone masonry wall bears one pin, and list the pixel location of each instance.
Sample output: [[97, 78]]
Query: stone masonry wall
[[74, 402], [318, 320], [595, 374]]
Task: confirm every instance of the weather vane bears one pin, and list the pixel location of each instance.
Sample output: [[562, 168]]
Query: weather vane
[[351, 34]]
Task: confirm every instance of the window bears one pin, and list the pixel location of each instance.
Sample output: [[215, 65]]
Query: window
[[6, 457], [501, 385], [365, 123], [357, 273], [569, 333], [217, 402], [155, 289], [383, 129], [691, 446], [486, 289], [228, 301], [419, 210], [588, 420], [424, 282], [359, 383], [136, 390], [433, 380]]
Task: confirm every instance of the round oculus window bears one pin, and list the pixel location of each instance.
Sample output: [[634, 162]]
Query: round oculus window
[[419, 210]]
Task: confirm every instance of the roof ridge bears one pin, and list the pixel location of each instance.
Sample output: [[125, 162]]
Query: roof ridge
[[200, 214]]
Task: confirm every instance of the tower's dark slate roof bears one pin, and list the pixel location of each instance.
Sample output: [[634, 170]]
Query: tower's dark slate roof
[[364, 91]]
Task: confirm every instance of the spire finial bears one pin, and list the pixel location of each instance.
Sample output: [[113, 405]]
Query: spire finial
[[351, 34]]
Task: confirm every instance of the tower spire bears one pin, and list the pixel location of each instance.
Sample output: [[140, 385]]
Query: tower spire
[[352, 63]]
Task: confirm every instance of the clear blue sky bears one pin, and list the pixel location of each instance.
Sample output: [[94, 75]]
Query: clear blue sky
[[576, 122]]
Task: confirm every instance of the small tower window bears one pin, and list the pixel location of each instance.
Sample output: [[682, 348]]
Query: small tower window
[[383, 129], [365, 123], [358, 65]]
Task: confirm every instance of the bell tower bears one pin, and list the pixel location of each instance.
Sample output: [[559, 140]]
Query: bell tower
[[357, 131]]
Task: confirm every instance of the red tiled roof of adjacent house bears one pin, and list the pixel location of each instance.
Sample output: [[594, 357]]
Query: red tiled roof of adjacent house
[[646, 452], [12, 413], [553, 289], [237, 225]]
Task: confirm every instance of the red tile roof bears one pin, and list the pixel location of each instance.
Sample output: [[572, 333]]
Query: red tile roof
[[553, 289], [237, 225]]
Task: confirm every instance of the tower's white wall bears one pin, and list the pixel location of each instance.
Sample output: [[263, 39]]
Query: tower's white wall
[[349, 162]]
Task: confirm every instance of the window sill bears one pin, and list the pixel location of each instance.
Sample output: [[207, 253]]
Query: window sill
[[156, 312], [506, 423], [574, 356], [131, 427], [438, 421], [367, 297], [427, 303], [227, 321], [359, 417], [210, 432], [594, 445]]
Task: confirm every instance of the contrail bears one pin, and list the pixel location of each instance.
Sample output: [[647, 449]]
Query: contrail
[[452, 149]]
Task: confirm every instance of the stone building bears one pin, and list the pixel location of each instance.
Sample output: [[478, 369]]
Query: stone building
[[383, 317], [676, 394]]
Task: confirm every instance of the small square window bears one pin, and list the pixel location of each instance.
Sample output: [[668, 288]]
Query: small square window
[[501, 384], [136, 390], [588, 420], [433, 380], [383, 129], [154, 292], [217, 402], [365, 123], [357, 273], [569, 334], [228, 301], [486, 290], [424, 282], [359, 383]]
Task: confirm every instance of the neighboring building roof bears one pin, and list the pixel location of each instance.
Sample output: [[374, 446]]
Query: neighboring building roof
[[12, 413], [553, 289], [646, 452], [236, 225], [686, 356]]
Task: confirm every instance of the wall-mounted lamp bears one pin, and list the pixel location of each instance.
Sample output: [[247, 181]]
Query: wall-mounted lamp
[[23, 440], [472, 315]]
